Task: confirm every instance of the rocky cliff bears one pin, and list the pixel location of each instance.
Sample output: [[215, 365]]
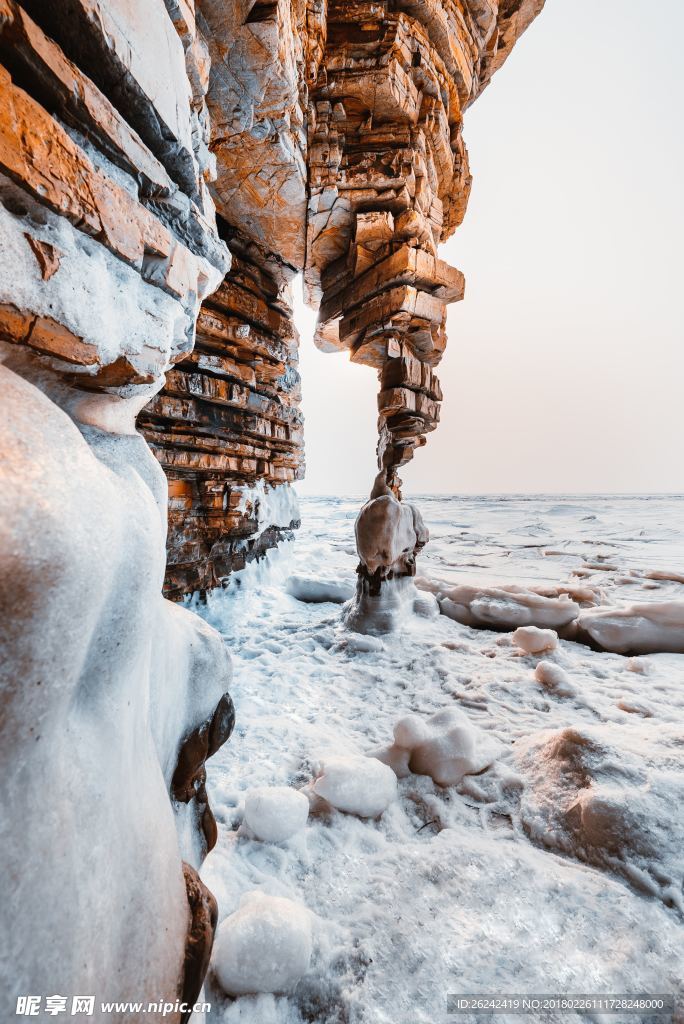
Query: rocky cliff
[[337, 135], [166, 171]]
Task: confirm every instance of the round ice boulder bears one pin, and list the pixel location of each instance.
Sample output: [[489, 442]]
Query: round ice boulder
[[533, 640], [275, 814], [358, 785], [265, 946]]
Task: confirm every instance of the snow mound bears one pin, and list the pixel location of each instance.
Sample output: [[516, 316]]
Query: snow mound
[[274, 814], [265, 946], [533, 640], [555, 679], [316, 591], [446, 746], [638, 628], [606, 805], [357, 785]]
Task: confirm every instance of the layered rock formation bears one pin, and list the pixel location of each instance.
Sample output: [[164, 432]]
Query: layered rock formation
[[336, 150], [337, 133], [227, 428], [389, 181], [227, 420]]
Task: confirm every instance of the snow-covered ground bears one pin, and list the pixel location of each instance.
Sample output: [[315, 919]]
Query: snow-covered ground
[[557, 869]]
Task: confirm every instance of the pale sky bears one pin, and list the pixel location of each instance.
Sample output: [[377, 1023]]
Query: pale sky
[[564, 369]]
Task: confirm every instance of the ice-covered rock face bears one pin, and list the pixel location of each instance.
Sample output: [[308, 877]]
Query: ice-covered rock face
[[112, 700], [388, 535]]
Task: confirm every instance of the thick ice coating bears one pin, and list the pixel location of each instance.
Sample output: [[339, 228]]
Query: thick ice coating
[[388, 535], [274, 814], [357, 785], [265, 946], [504, 607], [637, 628]]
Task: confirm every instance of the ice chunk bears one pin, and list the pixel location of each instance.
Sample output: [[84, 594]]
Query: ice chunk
[[506, 607], [533, 640], [275, 813], [316, 591], [445, 746], [356, 784], [637, 628], [265, 946], [555, 679]]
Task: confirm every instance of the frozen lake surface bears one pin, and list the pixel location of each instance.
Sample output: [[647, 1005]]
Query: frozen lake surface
[[557, 867]]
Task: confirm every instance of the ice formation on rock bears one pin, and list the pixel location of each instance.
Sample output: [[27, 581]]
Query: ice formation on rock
[[389, 535], [265, 946], [446, 746], [113, 698], [574, 612], [317, 591], [276, 813], [357, 785], [507, 607]]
